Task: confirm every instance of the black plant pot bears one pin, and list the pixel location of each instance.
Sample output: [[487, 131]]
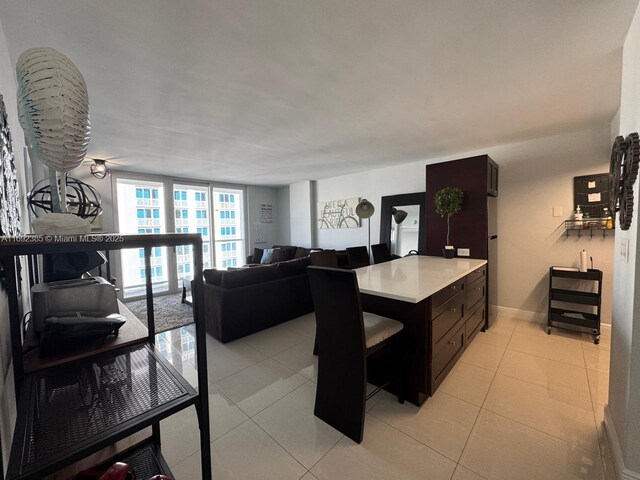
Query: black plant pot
[[448, 252]]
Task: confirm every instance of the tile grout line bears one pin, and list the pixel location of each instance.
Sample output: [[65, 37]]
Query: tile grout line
[[466, 443], [412, 438], [281, 446], [543, 432], [420, 441], [593, 411]]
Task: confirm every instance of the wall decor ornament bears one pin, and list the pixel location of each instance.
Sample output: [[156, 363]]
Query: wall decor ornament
[[9, 193], [338, 214], [623, 171], [82, 199], [53, 109]]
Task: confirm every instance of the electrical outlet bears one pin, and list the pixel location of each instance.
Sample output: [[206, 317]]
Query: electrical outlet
[[464, 252], [557, 211]]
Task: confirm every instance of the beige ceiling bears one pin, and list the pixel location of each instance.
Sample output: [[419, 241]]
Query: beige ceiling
[[276, 91]]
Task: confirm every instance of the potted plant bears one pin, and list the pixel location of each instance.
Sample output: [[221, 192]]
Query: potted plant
[[448, 202]]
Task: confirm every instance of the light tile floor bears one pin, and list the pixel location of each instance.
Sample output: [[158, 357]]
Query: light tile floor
[[520, 404]]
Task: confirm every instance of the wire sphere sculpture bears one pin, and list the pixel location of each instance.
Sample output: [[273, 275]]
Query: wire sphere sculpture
[[82, 199]]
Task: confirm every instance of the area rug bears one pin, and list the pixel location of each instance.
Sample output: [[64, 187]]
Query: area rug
[[169, 312]]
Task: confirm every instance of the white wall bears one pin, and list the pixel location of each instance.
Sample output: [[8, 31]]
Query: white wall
[[534, 176], [301, 214], [255, 197], [622, 415], [7, 392], [284, 226]]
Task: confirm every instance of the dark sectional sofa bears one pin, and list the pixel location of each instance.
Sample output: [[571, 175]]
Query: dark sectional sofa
[[244, 301]]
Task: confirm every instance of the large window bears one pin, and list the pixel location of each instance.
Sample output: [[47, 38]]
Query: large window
[[191, 212], [228, 227], [217, 214], [141, 211]]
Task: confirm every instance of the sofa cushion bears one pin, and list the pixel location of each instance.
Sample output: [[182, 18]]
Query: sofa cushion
[[249, 276], [297, 266], [287, 252], [257, 255], [213, 276], [301, 252]]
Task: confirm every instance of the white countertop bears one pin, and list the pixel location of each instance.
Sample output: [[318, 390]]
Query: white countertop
[[414, 278]]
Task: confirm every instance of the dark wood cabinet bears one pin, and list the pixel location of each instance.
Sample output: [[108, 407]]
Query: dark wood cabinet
[[437, 329], [475, 227], [492, 178], [457, 314]]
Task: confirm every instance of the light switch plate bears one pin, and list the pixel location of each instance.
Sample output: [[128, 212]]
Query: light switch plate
[[464, 252], [624, 250], [557, 211]]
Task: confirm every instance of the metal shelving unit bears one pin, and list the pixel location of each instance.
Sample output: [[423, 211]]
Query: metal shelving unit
[[70, 411], [590, 226], [568, 313]]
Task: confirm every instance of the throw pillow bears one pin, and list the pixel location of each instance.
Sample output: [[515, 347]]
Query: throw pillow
[[267, 253], [257, 255], [271, 255]]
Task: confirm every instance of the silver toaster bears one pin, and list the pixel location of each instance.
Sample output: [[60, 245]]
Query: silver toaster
[[93, 295]]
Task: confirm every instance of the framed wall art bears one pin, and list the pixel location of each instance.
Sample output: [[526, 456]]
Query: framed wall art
[[9, 193], [338, 214]]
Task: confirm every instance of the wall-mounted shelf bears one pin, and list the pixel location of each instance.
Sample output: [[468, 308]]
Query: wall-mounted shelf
[[583, 226]]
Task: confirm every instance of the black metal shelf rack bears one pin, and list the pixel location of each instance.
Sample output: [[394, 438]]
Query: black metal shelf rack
[[569, 313], [68, 412], [590, 226]]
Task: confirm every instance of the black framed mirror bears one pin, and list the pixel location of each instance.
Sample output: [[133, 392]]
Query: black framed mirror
[[410, 233]]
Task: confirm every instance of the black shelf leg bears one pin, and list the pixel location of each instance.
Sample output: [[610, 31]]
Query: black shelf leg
[[151, 324], [202, 406]]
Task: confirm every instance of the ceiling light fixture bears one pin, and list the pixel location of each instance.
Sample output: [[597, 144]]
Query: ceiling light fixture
[[99, 169]]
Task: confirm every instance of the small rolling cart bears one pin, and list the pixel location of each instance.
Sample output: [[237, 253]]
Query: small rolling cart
[[575, 303]]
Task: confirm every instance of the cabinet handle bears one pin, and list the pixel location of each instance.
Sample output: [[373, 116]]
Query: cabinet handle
[[452, 309], [452, 342], [454, 287], [478, 288]]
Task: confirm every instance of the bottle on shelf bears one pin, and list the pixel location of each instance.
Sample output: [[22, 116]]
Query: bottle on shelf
[[608, 220], [577, 214]]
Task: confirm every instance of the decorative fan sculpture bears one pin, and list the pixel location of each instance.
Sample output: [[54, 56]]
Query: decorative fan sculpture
[[53, 108]]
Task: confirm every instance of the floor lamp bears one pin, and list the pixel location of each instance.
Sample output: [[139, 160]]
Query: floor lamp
[[365, 209]]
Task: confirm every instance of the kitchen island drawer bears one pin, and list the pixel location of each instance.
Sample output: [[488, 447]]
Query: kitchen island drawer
[[443, 362], [475, 322], [476, 294], [441, 296], [477, 274], [448, 318]]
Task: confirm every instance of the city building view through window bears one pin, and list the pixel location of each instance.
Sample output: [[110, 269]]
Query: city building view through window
[[228, 224], [217, 214], [142, 211]]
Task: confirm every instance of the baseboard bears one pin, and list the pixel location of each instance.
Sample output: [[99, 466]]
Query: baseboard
[[622, 473], [526, 315], [517, 314]]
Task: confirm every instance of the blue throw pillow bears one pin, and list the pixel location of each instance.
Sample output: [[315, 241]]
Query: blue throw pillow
[[267, 253]]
